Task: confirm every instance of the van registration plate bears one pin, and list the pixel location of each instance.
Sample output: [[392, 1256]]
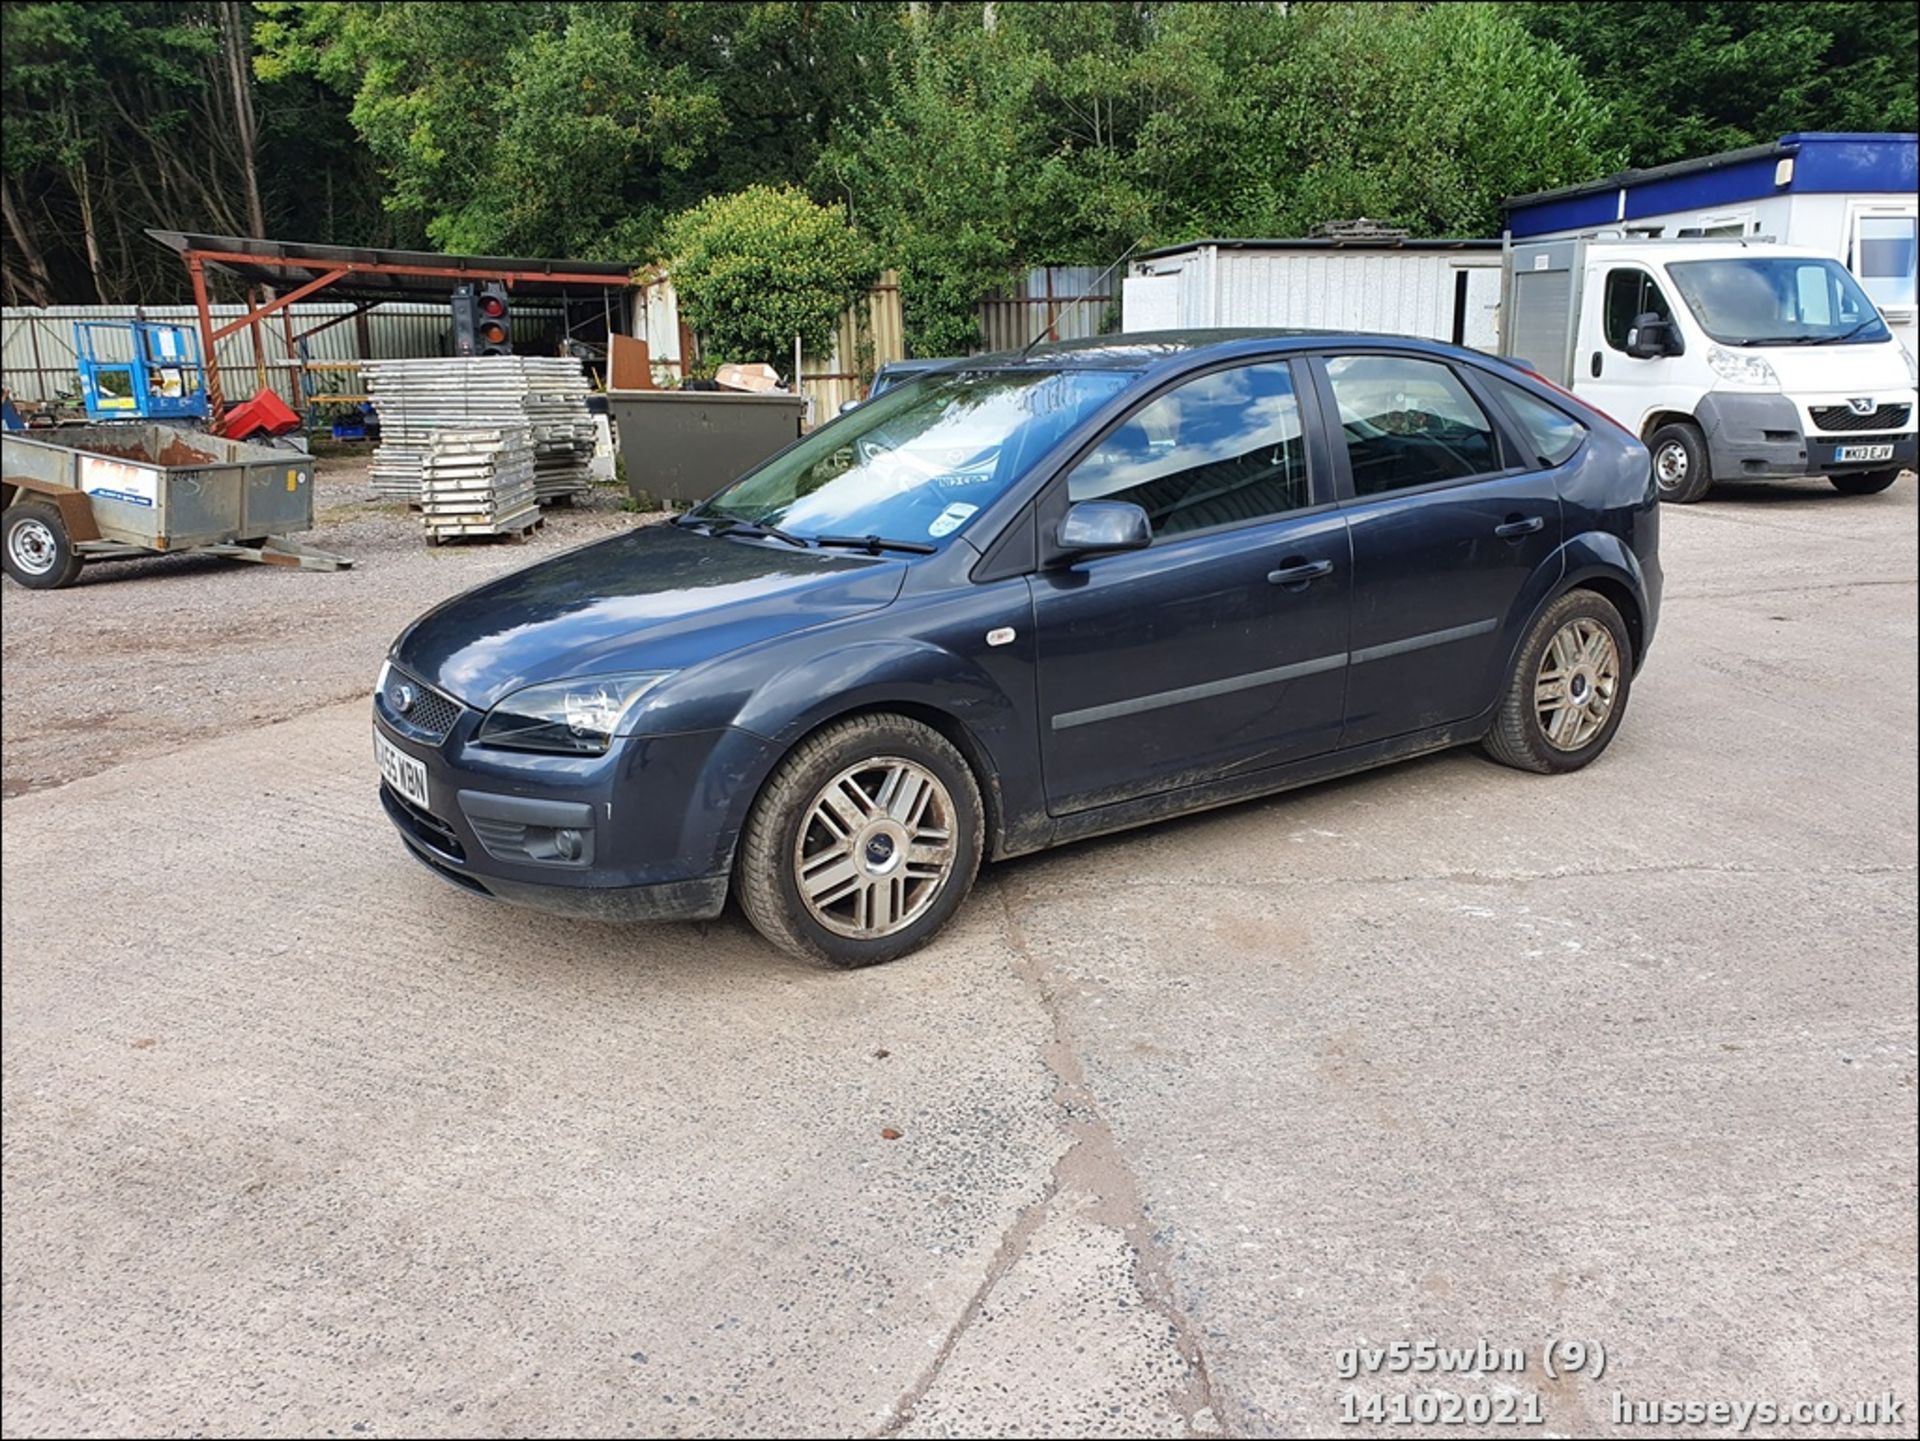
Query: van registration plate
[[1845, 453]]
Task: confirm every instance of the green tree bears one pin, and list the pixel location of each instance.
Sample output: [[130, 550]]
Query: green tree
[[124, 116], [1065, 132], [1691, 77], [941, 174], [755, 269], [576, 129]]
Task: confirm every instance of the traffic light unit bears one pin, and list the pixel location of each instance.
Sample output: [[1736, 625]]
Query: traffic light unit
[[481, 323]]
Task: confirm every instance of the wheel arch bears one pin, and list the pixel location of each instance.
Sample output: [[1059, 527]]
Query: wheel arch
[[950, 728], [1598, 561], [1620, 595], [1658, 418], [927, 683]]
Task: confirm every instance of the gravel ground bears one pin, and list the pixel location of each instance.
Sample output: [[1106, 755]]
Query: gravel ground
[[144, 656]]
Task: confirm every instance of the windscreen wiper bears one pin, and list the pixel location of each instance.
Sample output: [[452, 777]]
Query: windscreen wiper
[[1846, 334], [720, 525], [874, 544]]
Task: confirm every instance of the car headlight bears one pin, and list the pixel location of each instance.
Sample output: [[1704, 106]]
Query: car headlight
[[1913, 369], [579, 717], [1742, 369]]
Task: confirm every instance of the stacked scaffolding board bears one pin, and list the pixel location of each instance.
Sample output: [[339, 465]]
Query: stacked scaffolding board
[[418, 399], [478, 482]]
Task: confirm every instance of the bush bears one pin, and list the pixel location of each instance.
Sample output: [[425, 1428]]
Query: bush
[[754, 269]]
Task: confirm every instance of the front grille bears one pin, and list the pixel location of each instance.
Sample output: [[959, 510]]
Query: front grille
[[1840, 417], [423, 826], [429, 716], [1865, 440]]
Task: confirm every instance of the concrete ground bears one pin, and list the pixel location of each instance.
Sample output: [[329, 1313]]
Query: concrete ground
[[300, 1139]]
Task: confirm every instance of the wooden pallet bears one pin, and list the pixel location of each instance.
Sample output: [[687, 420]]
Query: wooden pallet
[[515, 533]]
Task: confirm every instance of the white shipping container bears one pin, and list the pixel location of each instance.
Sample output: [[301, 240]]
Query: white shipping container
[[1437, 289]]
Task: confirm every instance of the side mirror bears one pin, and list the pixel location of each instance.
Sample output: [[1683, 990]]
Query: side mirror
[[849, 405], [1650, 337], [1100, 527]]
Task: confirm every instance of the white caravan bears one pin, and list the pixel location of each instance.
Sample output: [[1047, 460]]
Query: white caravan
[[1732, 360]]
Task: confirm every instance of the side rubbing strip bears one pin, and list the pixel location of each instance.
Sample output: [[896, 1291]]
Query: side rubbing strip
[[1421, 642], [1066, 720]]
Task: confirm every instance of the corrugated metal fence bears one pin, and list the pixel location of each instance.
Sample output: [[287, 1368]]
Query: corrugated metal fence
[[1056, 299], [37, 345]]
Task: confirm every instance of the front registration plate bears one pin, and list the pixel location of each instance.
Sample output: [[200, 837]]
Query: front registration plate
[[401, 771], [1862, 452]]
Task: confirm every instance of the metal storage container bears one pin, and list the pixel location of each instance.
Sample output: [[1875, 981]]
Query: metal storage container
[[683, 445]]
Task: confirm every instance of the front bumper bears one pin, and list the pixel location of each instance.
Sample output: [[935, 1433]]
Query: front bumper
[[1764, 436], [700, 899], [645, 832]]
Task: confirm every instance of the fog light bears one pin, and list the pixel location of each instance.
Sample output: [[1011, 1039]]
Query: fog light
[[567, 843]]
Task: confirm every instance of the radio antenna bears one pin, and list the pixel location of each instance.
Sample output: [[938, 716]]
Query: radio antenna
[[1054, 312]]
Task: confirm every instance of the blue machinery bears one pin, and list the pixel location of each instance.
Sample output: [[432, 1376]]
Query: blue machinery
[[162, 378]]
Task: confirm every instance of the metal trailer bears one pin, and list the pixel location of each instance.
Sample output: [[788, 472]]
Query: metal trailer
[[106, 492]]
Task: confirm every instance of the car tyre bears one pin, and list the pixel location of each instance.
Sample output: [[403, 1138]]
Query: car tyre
[[1864, 482], [1681, 468], [863, 843], [1568, 690], [35, 547]]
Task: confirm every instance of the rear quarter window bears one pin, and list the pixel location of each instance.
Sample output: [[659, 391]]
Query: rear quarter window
[[1551, 434]]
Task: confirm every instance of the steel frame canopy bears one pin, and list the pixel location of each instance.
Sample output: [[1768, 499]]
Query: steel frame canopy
[[295, 272]]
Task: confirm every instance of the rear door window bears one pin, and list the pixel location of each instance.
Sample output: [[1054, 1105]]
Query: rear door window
[[1408, 423], [1550, 431]]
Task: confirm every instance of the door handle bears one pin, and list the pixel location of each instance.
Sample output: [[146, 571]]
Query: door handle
[[1296, 574], [1595, 366], [1519, 525]]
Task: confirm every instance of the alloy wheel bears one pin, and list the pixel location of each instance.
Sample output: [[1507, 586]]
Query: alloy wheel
[[875, 848], [1579, 681]]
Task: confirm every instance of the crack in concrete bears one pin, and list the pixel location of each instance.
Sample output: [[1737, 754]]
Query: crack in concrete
[[1503, 878], [1096, 1167], [1739, 593], [1091, 1166], [1012, 1247]]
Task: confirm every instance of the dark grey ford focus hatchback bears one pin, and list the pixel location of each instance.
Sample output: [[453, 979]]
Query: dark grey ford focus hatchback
[[1023, 600]]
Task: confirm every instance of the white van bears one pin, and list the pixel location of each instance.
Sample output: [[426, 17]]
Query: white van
[[1732, 360]]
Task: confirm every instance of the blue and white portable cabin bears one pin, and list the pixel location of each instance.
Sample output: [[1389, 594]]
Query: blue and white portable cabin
[[1851, 196]]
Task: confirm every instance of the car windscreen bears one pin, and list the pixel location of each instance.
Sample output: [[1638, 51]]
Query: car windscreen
[[1777, 300], [917, 463]]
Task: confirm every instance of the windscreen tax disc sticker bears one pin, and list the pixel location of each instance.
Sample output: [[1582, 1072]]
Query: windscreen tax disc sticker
[[952, 518]]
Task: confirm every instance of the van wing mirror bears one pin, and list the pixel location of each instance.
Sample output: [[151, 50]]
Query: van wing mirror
[[1651, 336], [1100, 527]]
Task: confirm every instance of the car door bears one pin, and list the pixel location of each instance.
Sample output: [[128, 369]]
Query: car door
[[1449, 517], [1221, 647], [1626, 387]]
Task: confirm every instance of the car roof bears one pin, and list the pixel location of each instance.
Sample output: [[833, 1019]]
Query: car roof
[[1176, 349]]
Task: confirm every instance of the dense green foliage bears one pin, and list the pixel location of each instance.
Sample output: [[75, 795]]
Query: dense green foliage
[[1069, 131], [1689, 77], [120, 116], [758, 268], [965, 141]]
